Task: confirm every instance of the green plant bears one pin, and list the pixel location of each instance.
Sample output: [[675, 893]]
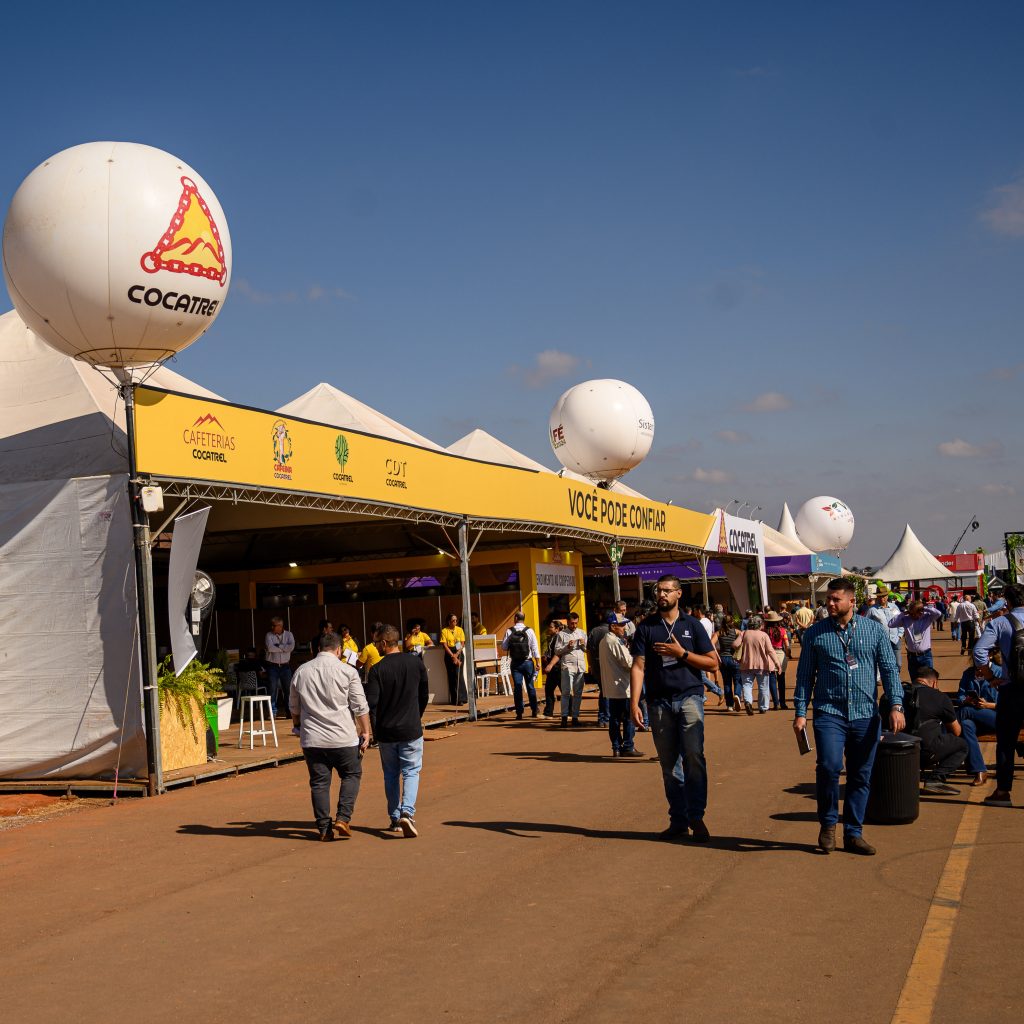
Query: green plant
[[196, 685]]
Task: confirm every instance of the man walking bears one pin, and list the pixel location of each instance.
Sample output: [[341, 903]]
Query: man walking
[[328, 707], [967, 621], [1005, 632], [571, 651], [803, 617], [670, 651], [883, 613], [398, 687], [840, 660], [278, 644], [616, 664], [520, 644], [917, 625]]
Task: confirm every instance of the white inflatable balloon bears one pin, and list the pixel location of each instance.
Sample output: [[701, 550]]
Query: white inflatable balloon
[[825, 524], [601, 428], [116, 253]]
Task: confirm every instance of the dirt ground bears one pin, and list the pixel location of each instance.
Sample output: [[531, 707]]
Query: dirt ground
[[537, 891]]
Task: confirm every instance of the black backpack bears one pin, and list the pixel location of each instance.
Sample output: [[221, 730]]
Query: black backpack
[[518, 646], [1015, 669]]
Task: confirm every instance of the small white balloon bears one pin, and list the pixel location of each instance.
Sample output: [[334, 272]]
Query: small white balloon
[[116, 253], [825, 524], [601, 428]]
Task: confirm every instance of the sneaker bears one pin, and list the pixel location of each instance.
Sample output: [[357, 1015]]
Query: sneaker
[[699, 831], [543, 714], [749, 707], [940, 787], [408, 827], [342, 829], [392, 826], [631, 753]]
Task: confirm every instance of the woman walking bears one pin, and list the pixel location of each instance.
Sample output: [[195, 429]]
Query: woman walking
[[779, 636], [725, 640], [757, 663]]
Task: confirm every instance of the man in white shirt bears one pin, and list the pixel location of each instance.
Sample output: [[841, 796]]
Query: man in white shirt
[[616, 663], [279, 644], [520, 644], [571, 651], [967, 618], [328, 707], [883, 613]]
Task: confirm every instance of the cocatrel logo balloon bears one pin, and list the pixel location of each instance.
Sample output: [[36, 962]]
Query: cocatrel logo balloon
[[116, 253], [601, 428]]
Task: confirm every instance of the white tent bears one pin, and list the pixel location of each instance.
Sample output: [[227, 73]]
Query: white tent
[[478, 444], [70, 693], [326, 404], [787, 527], [911, 561], [777, 543]]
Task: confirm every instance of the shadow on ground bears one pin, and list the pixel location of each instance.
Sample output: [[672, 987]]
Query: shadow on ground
[[270, 830], [734, 844]]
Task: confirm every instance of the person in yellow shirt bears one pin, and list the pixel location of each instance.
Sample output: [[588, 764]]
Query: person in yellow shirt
[[453, 640], [416, 640], [368, 657], [348, 642], [479, 629]]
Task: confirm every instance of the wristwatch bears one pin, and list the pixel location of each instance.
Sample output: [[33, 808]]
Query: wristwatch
[[898, 707], [686, 654]]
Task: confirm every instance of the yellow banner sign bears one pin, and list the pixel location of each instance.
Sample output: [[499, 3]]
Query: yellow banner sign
[[201, 439]]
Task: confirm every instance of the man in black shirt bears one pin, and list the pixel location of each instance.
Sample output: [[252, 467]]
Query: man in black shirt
[[670, 650], [943, 749], [398, 687]]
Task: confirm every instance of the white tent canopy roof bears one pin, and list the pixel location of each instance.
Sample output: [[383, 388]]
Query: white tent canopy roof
[[786, 525], [57, 414], [777, 543], [478, 444], [911, 561], [326, 404]]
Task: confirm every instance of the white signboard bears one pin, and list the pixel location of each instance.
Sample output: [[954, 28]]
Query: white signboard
[[734, 536], [556, 579]]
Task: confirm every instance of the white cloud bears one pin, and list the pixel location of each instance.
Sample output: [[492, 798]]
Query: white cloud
[[733, 436], [769, 401], [710, 476], [547, 366], [999, 490], [958, 448], [1005, 214], [1006, 372]]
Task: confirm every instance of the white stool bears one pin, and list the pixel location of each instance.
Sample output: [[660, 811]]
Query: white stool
[[250, 704]]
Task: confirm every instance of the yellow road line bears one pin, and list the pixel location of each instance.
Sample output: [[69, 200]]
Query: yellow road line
[[921, 987]]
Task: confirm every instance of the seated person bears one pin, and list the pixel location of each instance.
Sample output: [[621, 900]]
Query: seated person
[[943, 749], [416, 641], [253, 664], [976, 710]]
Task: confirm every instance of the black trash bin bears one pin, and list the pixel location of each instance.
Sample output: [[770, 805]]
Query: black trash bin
[[895, 780]]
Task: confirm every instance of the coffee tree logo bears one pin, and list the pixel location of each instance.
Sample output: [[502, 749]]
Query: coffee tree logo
[[283, 450], [341, 454]]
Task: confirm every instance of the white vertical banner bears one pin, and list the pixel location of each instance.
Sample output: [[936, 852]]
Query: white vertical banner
[[186, 542]]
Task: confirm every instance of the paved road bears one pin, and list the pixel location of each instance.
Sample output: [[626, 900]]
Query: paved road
[[536, 892]]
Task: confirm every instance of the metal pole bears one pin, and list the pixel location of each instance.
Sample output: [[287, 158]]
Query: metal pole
[[703, 559], [468, 661], [144, 593], [813, 581]]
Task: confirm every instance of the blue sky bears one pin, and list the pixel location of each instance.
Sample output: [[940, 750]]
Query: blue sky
[[798, 229]]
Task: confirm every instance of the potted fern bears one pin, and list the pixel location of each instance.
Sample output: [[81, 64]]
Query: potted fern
[[183, 703]]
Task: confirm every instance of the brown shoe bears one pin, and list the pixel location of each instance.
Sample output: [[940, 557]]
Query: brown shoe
[[980, 779], [342, 829], [857, 844], [827, 838]]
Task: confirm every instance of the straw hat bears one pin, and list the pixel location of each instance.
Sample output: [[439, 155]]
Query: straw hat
[[772, 617]]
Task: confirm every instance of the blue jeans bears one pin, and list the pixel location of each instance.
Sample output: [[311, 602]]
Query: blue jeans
[[954, 629], [970, 719], [730, 666], [915, 662], [572, 691], [710, 684], [762, 681], [858, 740], [897, 652], [621, 727], [401, 764], [678, 730], [523, 673], [279, 678]]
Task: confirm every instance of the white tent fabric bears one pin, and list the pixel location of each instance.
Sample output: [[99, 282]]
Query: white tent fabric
[[911, 561], [70, 691], [478, 444], [776, 544], [326, 404], [787, 527]]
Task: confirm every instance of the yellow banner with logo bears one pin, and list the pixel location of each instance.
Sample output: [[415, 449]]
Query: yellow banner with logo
[[202, 439]]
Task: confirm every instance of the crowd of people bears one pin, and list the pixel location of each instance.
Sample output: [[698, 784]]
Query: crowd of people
[[654, 669]]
